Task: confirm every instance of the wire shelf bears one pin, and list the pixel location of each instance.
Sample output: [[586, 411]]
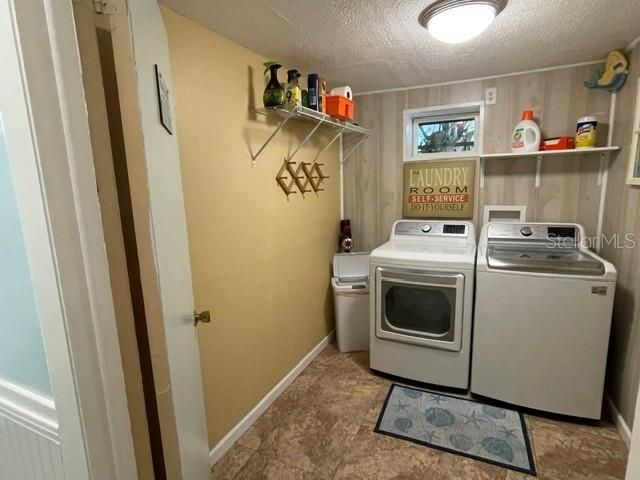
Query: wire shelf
[[319, 119]]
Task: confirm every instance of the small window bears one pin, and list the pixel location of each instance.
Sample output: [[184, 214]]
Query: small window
[[445, 135], [442, 132]]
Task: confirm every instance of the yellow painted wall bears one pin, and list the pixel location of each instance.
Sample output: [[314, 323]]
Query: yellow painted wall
[[260, 262]]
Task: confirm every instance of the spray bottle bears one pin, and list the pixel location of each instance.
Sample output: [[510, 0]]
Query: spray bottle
[[294, 94]]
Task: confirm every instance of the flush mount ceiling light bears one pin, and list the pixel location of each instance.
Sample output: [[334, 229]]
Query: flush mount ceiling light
[[456, 21]]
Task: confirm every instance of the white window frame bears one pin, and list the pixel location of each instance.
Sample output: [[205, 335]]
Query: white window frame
[[436, 113], [634, 152]]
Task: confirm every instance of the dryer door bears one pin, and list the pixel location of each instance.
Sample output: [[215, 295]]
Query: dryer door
[[420, 307]]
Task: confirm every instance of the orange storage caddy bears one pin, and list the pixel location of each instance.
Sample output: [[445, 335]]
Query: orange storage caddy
[[340, 107]]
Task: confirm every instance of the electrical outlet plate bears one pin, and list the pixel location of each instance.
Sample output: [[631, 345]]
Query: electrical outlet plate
[[491, 96]]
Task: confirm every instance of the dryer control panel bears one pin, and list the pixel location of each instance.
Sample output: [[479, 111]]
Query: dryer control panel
[[424, 228]]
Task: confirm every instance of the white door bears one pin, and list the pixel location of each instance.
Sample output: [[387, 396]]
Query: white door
[[62, 405], [81, 430], [140, 52]]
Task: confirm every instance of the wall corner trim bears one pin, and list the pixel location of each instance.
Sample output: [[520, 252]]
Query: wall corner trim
[[30, 410], [236, 432], [621, 424]]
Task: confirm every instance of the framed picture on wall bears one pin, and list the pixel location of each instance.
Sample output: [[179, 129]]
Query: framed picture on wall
[[633, 176], [164, 103]]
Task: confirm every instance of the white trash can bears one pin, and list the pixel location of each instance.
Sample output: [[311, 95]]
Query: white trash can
[[350, 284]]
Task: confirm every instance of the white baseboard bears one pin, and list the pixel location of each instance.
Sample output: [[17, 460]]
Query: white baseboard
[[623, 428], [236, 432], [32, 411]]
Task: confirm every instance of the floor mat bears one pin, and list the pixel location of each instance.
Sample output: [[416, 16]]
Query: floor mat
[[483, 432]]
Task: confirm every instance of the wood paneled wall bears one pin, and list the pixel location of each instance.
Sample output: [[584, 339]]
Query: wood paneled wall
[[622, 216], [569, 189]]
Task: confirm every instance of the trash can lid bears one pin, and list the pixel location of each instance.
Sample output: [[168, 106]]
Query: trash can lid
[[351, 266], [349, 288]]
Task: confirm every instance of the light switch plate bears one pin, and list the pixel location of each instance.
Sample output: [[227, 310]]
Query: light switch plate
[[491, 96]]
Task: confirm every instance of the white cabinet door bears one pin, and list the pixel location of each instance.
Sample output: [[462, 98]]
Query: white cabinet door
[[78, 428]]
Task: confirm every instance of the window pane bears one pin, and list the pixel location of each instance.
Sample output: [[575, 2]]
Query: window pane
[[455, 135], [22, 356]]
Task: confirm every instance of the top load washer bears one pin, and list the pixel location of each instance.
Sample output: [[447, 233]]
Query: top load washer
[[542, 318], [421, 302]]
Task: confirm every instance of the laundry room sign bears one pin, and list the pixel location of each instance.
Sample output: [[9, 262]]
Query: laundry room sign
[[439, 189]]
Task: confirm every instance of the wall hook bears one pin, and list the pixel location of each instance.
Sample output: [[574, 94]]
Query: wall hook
[[286, 183]]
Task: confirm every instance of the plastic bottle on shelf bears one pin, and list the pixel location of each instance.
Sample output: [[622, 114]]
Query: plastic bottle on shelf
[[322, 96], [294, 93], [313, 85], [526, 135], [586, 132]]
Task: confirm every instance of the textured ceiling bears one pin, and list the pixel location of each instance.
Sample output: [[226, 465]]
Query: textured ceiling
[[378, 44]]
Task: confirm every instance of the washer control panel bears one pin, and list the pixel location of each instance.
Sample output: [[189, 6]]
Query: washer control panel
[[520, 231], [421, 228]]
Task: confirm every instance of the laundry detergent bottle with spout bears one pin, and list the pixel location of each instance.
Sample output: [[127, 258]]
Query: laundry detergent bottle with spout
[[526, 136]]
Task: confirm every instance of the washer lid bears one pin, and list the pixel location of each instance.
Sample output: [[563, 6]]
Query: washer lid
[[543, 259], [351, 266]]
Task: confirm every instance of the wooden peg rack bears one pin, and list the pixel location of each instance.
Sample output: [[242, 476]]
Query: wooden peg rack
[[292, 179]]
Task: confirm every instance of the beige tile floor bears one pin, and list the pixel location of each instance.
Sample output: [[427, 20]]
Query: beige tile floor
[[321, 428]]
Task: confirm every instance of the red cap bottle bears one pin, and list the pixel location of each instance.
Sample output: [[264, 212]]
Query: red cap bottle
[[527, 115]]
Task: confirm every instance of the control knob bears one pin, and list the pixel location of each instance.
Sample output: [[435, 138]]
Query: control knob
[[526, 231]]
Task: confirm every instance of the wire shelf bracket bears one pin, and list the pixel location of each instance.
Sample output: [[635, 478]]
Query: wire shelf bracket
[[352, 149], [319, 119]]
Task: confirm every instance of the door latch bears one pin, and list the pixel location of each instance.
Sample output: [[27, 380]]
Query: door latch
[[202, 317]]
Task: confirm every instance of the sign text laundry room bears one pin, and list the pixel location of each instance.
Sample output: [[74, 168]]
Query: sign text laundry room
[[439, 189]]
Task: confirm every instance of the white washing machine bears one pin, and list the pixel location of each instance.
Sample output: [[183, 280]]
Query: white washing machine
[[542, 318], [421, 302]]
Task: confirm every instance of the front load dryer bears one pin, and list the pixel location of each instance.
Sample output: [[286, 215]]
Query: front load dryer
[[542, 318], [421, 302]]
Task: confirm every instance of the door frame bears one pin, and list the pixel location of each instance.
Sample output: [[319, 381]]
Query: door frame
[[633, 463], [52, 166]]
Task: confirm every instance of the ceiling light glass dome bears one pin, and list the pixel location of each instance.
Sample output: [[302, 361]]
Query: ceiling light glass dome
[[456, 21]]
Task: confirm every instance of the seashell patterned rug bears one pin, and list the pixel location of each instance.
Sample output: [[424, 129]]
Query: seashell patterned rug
[[475, 430]]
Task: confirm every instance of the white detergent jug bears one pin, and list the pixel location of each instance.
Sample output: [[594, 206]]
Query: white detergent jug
[[526, 136]]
